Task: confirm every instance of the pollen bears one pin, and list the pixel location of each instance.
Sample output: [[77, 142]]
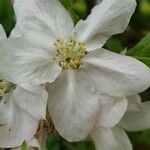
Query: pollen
[[69, 53]]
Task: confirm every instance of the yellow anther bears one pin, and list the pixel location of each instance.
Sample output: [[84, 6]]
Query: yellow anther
[[75, 33], [69, 53], [80, 43], [71, 61], [77, 61]]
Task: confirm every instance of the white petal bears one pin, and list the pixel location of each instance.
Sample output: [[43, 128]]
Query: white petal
[[135, 103], [28, 63], [108, 18], [138, 120], [43, 18], [18, 125], [112, 110], [73, 105], [16, 32], [2, 33], [124, 52], [117, 75], [111, 139], [34, 103]]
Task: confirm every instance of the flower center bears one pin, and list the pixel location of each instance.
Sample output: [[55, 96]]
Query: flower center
[[69, 53], [6, 87]]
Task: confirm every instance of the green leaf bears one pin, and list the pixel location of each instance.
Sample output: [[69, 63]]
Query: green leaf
[[142, 50], [24, 146]]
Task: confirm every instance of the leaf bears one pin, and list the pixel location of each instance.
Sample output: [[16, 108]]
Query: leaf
[[142, 50]]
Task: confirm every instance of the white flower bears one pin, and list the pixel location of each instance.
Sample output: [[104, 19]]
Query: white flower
[[53, 50], [137, 118], [21, 109], [2, 33]]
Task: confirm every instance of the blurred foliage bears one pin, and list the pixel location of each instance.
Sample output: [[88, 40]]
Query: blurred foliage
[[140, 26], [141, 18]]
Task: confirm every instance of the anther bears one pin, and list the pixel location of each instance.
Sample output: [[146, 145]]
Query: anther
[[69, 54]]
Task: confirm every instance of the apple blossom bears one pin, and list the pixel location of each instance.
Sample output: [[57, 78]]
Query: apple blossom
[[81, 76]]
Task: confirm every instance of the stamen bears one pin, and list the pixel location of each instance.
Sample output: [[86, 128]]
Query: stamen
[[69, 53]]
